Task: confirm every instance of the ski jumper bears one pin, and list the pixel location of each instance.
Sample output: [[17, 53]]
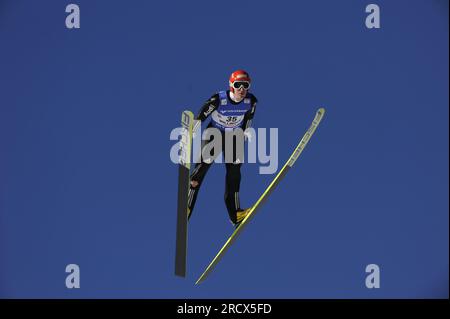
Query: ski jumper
[[225, 115]]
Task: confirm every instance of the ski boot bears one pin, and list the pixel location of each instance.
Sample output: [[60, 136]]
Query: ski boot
[[240, 216]]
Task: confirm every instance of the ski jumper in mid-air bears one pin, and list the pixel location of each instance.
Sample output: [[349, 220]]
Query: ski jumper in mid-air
[[228, 110]]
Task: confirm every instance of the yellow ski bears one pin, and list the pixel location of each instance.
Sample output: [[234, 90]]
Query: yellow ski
[[298, 150]]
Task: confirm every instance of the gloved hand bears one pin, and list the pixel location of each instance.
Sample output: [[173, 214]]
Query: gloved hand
[[195, 129]]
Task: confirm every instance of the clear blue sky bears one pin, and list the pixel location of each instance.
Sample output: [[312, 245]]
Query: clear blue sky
[[85, 173]]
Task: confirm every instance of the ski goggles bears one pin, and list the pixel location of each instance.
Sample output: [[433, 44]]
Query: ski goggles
[[239, 84]]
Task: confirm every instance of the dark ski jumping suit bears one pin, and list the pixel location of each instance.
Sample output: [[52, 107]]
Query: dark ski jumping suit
[[225, 115]]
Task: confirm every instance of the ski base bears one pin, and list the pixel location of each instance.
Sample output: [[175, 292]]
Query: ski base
[[298, 150], [187, 120]]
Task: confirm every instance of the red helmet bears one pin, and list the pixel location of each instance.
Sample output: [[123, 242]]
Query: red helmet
[[238, 76]]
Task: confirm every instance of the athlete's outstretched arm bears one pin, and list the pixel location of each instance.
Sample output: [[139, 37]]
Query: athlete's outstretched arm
[[208, 107], [205, 111], [248, 117]]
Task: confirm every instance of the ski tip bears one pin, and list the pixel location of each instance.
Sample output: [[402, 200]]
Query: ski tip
[[199, 281], [201, 278], [188, 114], [321, 110]]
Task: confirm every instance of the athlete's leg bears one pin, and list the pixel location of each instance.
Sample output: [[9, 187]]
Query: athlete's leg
[[197, 176], [233, 177], [232, 185]]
